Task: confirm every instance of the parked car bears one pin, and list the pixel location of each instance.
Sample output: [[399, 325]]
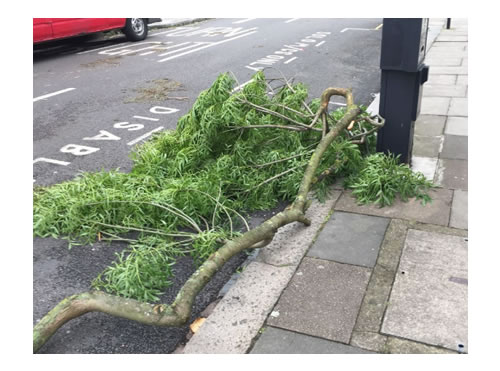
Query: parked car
[[47, 29]]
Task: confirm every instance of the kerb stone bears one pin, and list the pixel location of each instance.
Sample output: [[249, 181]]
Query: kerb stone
[[237, 319]]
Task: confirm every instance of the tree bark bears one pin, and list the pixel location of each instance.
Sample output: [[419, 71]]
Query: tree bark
[[178, 313]]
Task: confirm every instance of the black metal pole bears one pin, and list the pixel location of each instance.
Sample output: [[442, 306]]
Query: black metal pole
[[448, 23]]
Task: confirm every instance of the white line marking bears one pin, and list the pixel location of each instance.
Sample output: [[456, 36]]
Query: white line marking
[[50, 161], [321, 43], [379, 26], [242, 85], [52, 94], [243, 20], [291, 20], [356, 29], [206, 46], [146, 118], [194, 45], [104, 47], [147, 53], [338, 104], [131, 143], [290, 60]]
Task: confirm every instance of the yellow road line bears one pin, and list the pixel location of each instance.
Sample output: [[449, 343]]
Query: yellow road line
[[379, 26]]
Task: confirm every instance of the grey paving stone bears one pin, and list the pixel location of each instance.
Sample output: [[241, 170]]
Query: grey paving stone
[[322, 299], [435, 61], [459, 210], [240, 314], [455, 147], [442, 79], [452, 70], [428, 301], [429, 125], [278, 341], [452, 37], [459, 45], [458, 107], [292, 241], [401, 346], [436, 212], [350, 238], [452, 174], [425, 165], [369, 340], [434, 105], [457, 126], [463, 79], [425, 146], [435, 90]]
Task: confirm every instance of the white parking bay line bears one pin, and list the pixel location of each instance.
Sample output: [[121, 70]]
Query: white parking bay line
[[290, 60], [52, 94], [241, 86], [321, 43], [206, 46], [142, 137], [243, 20]]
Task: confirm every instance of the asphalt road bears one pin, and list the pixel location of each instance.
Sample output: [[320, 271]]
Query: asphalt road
[[95, 99]]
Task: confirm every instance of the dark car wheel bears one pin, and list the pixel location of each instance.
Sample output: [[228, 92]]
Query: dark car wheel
[[135, 29]]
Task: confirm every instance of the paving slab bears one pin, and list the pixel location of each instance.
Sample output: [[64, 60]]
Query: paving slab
[[439, 90], [459, 210], [242, 311], [293, 240], [429, 125], [455, 147], [401, 346], [428, 301], [322, 299], [425, 165], [434, 105], [372, 341], [447, 37], [278, 341], [435, 61], [435, 212], [451, 70], [442, 79], [426, 146], [458, 107], [452, 174], [463, 79], [350, 238], [457, 125]]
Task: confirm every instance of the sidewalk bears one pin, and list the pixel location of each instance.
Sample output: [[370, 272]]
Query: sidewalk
[[363, 279]]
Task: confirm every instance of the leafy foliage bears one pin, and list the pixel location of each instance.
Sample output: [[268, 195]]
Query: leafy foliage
[[382, 177], [186, 185]]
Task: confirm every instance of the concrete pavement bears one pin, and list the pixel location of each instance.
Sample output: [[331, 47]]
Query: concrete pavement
[[364, 279]]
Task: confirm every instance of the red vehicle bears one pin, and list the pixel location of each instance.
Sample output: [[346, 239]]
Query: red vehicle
[[46, 29]]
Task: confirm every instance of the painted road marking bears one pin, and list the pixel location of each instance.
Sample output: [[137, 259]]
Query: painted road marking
[[193, 45], [104, 47], [291, 20], [52, 94], [356, 29], [319, 44], [242, 85], [379, 26], [289, 60], [243, 20], [50, 161], [146, 118], [132, 142], [206, 46]]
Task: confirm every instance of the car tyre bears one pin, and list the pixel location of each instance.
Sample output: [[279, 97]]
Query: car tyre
[[136, 29]]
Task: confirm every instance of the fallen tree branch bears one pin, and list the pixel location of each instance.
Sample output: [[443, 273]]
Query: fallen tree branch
[[178, 313]]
